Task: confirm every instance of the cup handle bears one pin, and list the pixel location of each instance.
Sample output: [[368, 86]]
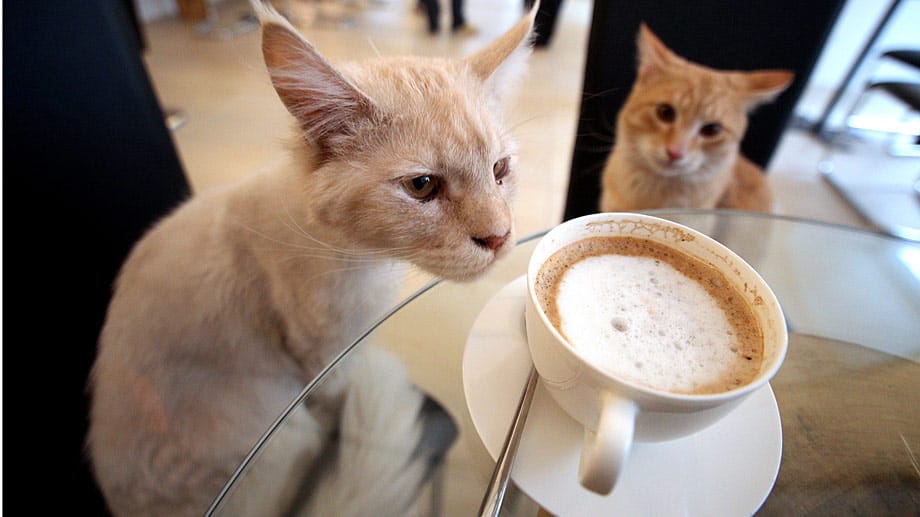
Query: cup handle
[[604, 452]]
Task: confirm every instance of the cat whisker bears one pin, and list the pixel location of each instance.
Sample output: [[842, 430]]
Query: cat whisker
[[396, 266], [355, 256], [320, 256], [324, 251], [267, 237], [298, 229], [602, 93], [516, 125]]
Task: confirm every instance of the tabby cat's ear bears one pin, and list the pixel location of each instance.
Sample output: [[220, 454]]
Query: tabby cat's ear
[[322, 100], [502, 63], [654, 56], [762, 86]]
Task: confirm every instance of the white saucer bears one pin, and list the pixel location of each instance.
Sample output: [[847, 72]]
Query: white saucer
[[726, 469]]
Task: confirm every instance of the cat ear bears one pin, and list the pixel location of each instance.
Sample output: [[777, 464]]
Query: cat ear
[[323, 101], [503, 62], [762, 86], [653, 54]]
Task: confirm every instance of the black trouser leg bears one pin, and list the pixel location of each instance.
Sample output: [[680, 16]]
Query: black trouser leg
[[456, 11], [433, 10], [545, 23]]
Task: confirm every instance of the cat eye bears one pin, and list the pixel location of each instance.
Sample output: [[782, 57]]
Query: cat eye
[[665, 113], [500, 170], [711, 129], [421, 187]]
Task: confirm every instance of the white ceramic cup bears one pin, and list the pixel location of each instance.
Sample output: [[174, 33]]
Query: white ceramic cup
[[615, 411]]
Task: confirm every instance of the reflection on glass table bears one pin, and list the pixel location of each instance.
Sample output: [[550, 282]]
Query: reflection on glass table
[[837, 432]]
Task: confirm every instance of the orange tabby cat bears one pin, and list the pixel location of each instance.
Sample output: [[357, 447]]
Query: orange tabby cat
[[678, 135]]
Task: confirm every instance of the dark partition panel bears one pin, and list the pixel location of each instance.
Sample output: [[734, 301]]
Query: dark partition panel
[[724, 34], [88, 164]]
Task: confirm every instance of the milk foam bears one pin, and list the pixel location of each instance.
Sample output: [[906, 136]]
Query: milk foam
[[640, 318]]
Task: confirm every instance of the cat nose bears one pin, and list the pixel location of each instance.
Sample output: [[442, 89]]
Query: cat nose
[[675, 154], [493, 242]]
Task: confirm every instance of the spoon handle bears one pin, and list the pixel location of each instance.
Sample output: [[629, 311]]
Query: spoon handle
[[495, 493]]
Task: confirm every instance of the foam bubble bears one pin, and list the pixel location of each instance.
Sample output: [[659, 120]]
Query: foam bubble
[[620, 323]]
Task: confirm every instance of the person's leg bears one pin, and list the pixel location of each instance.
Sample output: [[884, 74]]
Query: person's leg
[[433, 10], [545, 23], [456, 11]]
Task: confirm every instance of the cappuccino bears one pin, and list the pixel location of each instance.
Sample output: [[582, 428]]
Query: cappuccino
[[652, 315]]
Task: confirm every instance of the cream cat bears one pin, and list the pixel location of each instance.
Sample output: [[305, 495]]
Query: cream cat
[[678, 136], [226, 308]]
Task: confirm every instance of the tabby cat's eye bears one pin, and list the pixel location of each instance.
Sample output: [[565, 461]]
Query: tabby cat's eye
[[711, 129], [500, 170], [665, 113], [421, 187]]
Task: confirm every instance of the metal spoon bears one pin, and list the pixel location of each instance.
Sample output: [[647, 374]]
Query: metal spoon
[[495, 493]]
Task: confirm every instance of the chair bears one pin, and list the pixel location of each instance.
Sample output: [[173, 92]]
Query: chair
[[88, 165], [905, 133], [870, 163]]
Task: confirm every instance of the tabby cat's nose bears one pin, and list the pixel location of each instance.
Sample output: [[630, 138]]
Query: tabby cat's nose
[[492, 242]]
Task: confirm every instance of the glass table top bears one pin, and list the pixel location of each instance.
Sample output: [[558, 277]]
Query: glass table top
[[845, 405]]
